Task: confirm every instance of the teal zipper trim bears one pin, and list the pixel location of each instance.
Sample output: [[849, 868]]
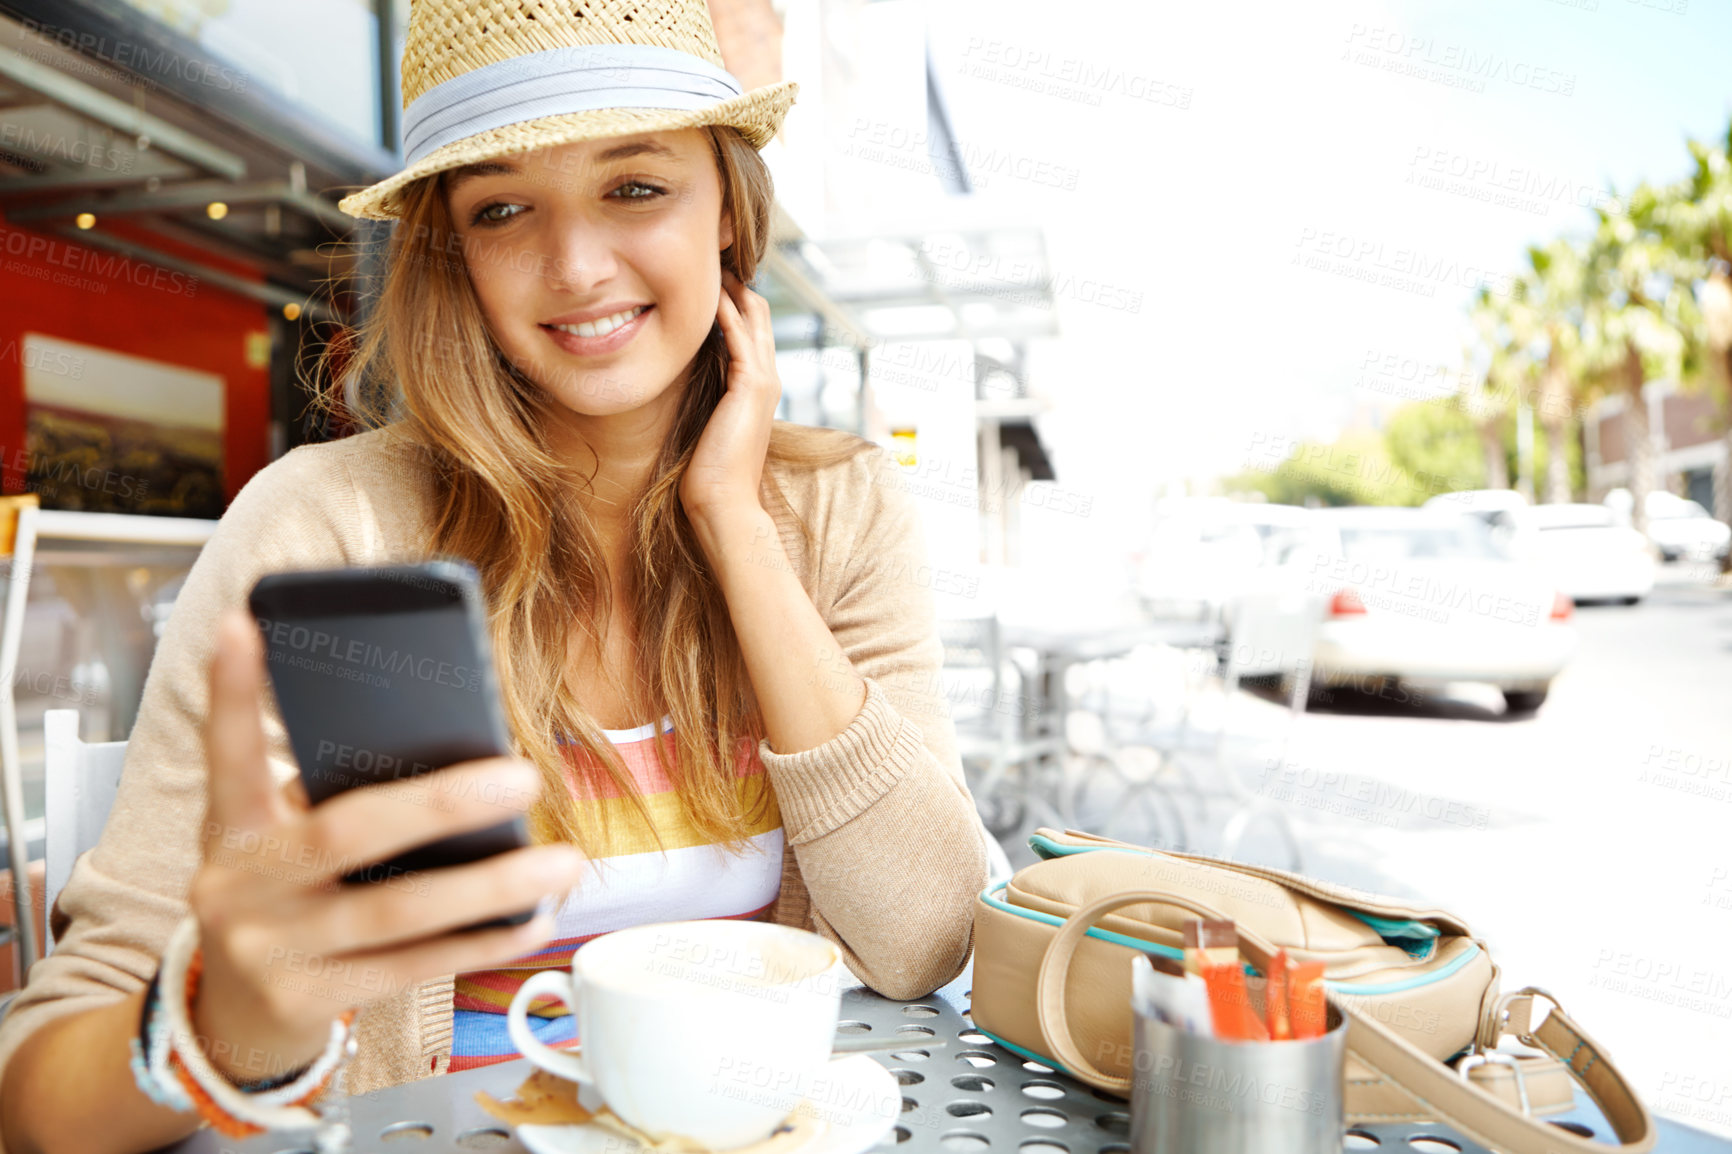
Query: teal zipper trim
[[1049, 849], [987, 895], [1436, 975], [1028, 1054], [1418, 939]]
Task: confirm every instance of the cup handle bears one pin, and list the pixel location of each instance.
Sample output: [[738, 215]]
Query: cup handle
[[562, 985]]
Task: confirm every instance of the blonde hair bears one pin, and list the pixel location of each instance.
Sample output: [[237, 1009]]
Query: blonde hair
[[503, 499]]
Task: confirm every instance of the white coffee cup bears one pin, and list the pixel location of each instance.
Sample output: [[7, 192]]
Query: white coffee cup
[[709, 1031]]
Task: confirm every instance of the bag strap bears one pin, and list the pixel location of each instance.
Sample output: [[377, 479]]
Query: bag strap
[[1451, 1098], [1049, 982]]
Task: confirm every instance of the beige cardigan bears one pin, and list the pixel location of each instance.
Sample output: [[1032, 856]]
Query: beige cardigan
[[886, 850]]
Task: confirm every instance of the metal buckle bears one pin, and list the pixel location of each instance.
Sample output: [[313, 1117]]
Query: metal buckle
[[1528, 1039], [1501, 1058]]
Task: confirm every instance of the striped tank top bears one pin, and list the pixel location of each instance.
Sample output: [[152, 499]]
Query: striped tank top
[[628, 882]]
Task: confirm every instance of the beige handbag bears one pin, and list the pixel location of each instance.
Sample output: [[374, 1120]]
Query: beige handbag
[[1418, 990]]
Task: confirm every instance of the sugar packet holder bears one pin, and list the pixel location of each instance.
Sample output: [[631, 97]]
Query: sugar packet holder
[[1210, 995], [1193, 1091]]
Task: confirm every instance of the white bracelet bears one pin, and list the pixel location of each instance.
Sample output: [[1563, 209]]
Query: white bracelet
[[268, 1109], [340, 1047], [149, 1055]]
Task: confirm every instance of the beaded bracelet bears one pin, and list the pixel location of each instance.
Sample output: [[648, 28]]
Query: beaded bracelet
[[274, 1082], [307, 1082], [222, 1104], [149, 1057]]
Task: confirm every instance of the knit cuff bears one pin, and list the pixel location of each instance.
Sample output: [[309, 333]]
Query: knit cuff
[[438, 1025], [818, 790]]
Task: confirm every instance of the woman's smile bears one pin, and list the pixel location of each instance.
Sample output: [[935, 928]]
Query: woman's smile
[[599, 259], [598, 337]]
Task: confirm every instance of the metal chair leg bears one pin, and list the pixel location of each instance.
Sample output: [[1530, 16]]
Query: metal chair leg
[[18, 852]]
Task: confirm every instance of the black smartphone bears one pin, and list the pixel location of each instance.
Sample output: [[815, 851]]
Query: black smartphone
[[386, 672]]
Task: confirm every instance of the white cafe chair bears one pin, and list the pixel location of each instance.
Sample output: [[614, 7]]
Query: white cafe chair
[[82, 780], [18, 516]]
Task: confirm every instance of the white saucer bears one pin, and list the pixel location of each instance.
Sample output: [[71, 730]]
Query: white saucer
[[860, 1103]]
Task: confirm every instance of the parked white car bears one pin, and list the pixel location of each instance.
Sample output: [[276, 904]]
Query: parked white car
[[1201, 551], [1486, 504], [1680, 528], [1426, 596], [1583, 549], [1684, 531]]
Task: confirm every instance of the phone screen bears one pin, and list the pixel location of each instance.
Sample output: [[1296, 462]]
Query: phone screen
[[382, 674], [380, 696]]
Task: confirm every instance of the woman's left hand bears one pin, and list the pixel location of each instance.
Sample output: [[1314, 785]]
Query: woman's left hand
[[728, 465]]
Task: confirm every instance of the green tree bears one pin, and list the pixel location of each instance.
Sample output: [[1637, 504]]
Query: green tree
[[1355, 469], [1437, 447]]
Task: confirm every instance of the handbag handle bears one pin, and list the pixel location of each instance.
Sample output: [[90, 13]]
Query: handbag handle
[[1055, 965], [1472, 1111]]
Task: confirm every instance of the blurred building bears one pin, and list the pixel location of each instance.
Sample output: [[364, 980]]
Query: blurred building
[[168, 177], [1687, 433], [177, 163], [167, 172], [170, 243], [942, 293]]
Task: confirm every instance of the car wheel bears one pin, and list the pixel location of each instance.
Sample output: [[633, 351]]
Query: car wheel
[[1525, 700]]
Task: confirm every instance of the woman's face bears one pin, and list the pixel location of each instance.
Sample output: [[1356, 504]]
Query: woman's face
[[597, 264]]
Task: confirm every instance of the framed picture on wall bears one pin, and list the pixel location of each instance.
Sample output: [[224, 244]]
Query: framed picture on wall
[[111, 433]]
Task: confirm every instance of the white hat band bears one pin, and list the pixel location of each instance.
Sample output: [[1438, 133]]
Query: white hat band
[[558, 80]]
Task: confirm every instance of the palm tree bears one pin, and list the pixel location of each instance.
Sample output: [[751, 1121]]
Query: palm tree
[[1695, 217], [1553, 287], [1529, 336], [1506, 367], [1637, 311]]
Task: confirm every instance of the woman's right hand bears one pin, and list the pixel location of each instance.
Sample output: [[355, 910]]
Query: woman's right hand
[[286, 946]]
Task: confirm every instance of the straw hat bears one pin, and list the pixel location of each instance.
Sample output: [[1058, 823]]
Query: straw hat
[[486, 78]]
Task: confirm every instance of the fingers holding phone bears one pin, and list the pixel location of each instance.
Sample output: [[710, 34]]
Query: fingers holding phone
[[360, 834], [384, 675], [291, 931]]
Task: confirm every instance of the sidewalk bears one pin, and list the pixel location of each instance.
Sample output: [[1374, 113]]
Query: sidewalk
[[1566, 865]]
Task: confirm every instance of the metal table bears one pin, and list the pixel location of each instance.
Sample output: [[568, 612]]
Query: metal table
[[970, 1096], [1059, 648], [1056, 650]]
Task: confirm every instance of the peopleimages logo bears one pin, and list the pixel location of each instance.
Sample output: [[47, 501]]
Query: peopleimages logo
[[29, 246], [33, 356], [68, 149], [139, 58], [354, 659]]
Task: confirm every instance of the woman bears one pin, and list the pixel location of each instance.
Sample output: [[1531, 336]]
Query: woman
[[653, 545]]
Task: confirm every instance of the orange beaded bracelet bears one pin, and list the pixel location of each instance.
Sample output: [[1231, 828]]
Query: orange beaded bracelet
[[225, 1107]]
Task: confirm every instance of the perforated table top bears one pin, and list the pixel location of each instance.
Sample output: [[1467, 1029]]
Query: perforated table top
[[969, 1096]]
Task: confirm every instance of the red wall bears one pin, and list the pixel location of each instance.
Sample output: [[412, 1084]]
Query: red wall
[[139, 310]]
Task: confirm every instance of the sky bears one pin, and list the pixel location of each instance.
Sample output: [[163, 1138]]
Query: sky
[[1295, 202]]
